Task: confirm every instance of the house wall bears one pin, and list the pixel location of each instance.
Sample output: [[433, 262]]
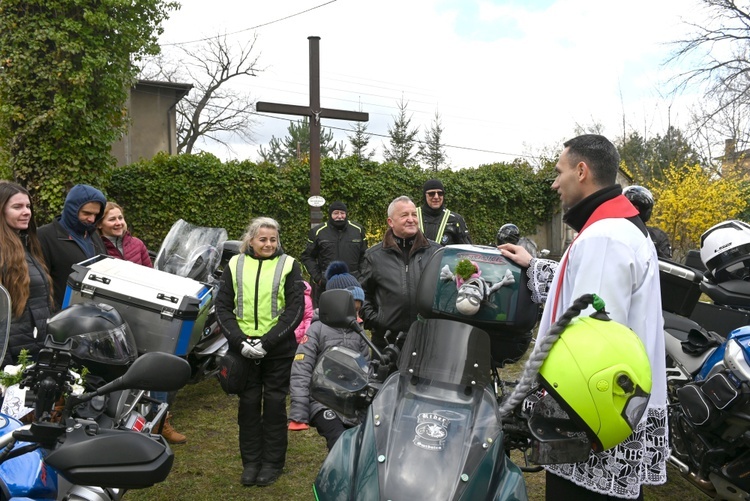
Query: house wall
[[152, 124]]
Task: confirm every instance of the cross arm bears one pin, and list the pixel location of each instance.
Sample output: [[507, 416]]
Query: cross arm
[[306, 111]]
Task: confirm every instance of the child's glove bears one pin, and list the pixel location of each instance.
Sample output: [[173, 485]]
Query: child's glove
[[297, 426]]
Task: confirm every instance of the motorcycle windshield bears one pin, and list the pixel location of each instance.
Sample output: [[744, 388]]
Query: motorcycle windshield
[[191, 251], [437, 417], [433, 431], [447, 351]]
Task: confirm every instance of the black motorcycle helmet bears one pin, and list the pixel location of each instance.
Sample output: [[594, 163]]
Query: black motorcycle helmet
[[642, 199], [101, 339], [507, 234]]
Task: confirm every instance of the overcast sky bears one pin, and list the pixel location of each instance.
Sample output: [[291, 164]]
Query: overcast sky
[[507, 76]]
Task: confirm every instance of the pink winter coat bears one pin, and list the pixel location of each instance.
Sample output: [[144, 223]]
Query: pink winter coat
[[133, 249], [307, 316]]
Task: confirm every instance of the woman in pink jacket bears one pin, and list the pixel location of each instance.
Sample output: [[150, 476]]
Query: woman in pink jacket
[[118, 240]]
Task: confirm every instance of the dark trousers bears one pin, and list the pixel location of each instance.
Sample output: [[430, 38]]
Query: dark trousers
[[262, 413], [317, 290], [329, 426], [558, 488]]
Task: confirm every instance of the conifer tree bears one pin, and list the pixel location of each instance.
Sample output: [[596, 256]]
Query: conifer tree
[[402, 139], [432, 150]]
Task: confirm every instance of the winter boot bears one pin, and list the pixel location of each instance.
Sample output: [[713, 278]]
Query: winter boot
[[170, 434]]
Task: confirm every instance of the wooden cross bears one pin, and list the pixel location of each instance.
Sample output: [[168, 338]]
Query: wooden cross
[[315, 113]]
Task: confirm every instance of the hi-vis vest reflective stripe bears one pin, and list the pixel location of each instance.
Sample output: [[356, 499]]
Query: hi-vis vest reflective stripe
[[441, 228], [259, 291]]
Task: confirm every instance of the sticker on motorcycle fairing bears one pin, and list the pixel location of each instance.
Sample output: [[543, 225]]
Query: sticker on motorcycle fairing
[[135, 422], [431, 431]]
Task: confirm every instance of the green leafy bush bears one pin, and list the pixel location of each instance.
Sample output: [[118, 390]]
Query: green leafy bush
[[207, 192]]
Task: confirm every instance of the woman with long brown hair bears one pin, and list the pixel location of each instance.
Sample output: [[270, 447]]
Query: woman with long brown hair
[[23, 272]]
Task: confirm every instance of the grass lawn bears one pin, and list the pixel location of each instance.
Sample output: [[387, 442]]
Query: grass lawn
[[208, 466]]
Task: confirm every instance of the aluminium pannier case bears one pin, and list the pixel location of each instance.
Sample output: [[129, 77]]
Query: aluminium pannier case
[[165, 312]]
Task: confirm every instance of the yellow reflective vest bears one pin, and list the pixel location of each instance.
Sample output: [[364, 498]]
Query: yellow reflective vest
[[259, 291]]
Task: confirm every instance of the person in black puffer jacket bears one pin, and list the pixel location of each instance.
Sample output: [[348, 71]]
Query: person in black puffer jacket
[[338, 239], [24, 274]]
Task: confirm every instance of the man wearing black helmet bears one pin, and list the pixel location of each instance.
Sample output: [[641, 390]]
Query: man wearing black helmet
[[644, 201], [338, 239], [438, 223]]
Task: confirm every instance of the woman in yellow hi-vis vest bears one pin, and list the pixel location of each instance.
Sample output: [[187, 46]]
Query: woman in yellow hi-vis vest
[[259, 304]]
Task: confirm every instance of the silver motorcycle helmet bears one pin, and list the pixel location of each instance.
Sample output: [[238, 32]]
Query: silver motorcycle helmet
[[725, 250], [100, 338]]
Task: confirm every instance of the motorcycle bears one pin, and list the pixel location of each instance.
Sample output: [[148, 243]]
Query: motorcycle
[[200, 253], [708, 384], [76, 458], [430, 425]]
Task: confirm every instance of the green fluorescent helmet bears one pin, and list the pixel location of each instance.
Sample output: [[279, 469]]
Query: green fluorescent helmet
[[599, 373]]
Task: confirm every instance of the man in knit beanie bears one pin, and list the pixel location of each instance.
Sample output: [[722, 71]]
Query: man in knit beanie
[[438, 223], [304, 411], [337, 239]]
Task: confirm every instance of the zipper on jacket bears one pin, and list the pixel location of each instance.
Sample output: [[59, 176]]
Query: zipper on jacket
[[257, 287]]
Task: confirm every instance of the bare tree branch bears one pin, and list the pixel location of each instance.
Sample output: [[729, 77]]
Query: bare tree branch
[[214, 110]]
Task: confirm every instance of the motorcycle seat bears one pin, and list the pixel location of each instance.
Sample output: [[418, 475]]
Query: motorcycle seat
[[676, 331]]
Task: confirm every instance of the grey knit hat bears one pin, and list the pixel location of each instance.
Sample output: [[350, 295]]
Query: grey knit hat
[[338, 277]]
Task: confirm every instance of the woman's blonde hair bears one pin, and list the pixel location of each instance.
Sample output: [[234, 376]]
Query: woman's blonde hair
[[107, 208], [253, 228]]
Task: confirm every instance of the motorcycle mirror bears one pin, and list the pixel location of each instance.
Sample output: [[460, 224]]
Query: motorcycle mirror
[[336, 309], [4, 320], [339, 380], [153, 371]]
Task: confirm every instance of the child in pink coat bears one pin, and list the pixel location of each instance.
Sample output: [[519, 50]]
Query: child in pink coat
[[299, 332]]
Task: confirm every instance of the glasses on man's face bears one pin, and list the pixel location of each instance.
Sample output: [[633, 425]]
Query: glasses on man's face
[[433, 194]]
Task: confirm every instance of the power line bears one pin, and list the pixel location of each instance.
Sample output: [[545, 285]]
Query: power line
[[254, 27], [418, 141], [368, 133]]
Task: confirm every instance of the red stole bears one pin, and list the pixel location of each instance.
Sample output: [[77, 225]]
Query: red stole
[[618, 207]]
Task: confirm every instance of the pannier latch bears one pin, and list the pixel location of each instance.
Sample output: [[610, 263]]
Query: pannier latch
[[88, 290], [167, 313], [164, 297], [103, 280]]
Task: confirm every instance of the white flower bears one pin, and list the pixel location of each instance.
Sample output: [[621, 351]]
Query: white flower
[[77, 389], [76, 377], [12, 370]]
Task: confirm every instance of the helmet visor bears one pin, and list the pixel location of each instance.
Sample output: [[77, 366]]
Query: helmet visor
[[113, 346], [635, 407]]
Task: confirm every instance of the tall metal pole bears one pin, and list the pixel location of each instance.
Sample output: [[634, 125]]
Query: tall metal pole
[[315, 213]]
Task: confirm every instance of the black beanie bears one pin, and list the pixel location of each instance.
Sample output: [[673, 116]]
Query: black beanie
[[432, 184], [337, 205]]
